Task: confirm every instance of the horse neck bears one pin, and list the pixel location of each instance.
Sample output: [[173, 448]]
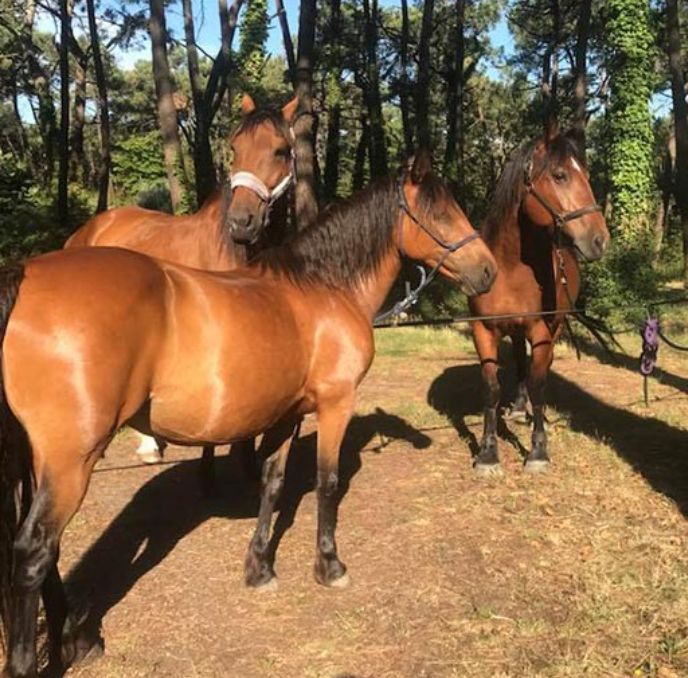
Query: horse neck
[[506, 245], [372, 291]]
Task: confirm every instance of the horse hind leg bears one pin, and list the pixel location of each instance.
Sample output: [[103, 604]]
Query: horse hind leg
[[35, 553], [150, 449], [519, 409], [538, 460]]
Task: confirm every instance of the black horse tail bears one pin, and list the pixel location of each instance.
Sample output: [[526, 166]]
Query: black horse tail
[[16, 482]]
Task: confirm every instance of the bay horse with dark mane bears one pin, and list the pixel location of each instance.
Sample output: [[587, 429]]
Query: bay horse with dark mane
[[543, 220], [95, 338], [240, 218]]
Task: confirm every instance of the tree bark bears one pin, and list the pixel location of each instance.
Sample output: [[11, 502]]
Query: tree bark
[[404, 93], [334, 113], [453, 153], [77, 143], [423, 85], [378, 143], [204, 169], [358, 177], [306, 165], [678, 95], [103, 109], [63, 139], [580, 84], [286, 39], [167, 113]]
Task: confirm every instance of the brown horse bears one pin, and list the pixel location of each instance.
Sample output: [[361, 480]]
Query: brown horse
[[543, 220], [95, 338], [224, 233]]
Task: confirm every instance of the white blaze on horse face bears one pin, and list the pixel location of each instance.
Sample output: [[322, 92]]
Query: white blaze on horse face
[[576, 166]]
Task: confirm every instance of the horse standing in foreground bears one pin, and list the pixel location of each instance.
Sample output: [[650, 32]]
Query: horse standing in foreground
[[543, 219], [95, 338], [236, 221]]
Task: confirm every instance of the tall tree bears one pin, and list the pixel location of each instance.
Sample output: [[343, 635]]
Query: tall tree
[[453, 154], [63, 140], [204, 170], [167, 112], [405, 97], [286, 39], [678, 95], [423, 84], [371, 91], [306, 163], [103, 109], [580, 84], [334, 102]]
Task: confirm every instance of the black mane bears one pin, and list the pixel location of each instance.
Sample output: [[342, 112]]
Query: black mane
[[349, 239], [509, 190]]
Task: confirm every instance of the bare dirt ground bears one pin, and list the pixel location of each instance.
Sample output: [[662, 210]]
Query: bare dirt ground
[[583, 572]]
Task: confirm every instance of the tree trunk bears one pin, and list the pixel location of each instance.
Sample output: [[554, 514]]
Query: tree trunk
[[63, 140], [103, 109], [286, 39], [580, 84], [167, 113], [334, 97], [204, 169], [78, 159], [404, 93], [306, 166], [453, 153], [423, 85], [678, 95], [358, 177], [378, 143]]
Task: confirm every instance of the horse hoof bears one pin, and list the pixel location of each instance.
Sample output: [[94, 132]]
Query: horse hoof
[[488, 470], [536, 466], [340, 583], [150, 457], [270, 586]]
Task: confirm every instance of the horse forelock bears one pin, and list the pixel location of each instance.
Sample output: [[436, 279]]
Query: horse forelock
[[510, 186], [257, 119]]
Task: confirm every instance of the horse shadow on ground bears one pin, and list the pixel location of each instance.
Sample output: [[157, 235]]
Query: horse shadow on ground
[[170, 506], [656, 450]]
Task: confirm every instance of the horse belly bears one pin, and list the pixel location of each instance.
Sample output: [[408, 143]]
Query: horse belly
[[228, 395]]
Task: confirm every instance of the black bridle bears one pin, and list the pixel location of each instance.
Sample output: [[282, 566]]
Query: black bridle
[[559, 219], [425, 278], [448, 247]]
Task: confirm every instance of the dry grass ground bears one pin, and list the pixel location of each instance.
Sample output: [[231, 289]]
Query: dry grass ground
[[583, 572]]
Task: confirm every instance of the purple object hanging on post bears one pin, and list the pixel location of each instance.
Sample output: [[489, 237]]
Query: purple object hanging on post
[[650, 336]]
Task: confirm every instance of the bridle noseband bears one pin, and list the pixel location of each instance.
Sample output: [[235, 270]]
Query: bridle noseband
[[403, 204], [559, 219]]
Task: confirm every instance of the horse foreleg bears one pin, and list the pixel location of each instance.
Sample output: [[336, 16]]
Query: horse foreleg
[[259, 572], [486, 343], [333, 418], [543, 354]]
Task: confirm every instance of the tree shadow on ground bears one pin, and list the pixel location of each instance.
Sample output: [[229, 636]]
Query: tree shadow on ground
[[170, 506], [658, 451], [630, 362]]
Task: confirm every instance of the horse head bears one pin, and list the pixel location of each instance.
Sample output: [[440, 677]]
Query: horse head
[[263, 168], [558, 195], [434, 229]]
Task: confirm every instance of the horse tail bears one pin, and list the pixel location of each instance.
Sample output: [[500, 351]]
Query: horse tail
[[16, 482]]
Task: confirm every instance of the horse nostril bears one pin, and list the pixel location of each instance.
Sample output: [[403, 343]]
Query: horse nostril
[[488, 274], [600, 243]]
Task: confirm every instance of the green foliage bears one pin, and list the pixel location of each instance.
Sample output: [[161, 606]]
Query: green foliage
[[254, 35], [137, 165]]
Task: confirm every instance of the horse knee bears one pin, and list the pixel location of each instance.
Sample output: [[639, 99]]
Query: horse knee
[[35, 550], [328, 484]]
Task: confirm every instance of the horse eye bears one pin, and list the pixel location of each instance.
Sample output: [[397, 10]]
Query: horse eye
[[559, 176], [282, 153]]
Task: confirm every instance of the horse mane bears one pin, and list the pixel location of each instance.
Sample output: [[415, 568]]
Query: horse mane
[[509, 189], [349, 239]]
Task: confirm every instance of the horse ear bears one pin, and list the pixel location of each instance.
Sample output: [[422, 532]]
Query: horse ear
[[289, 110], [247, 105], [420, 165]]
